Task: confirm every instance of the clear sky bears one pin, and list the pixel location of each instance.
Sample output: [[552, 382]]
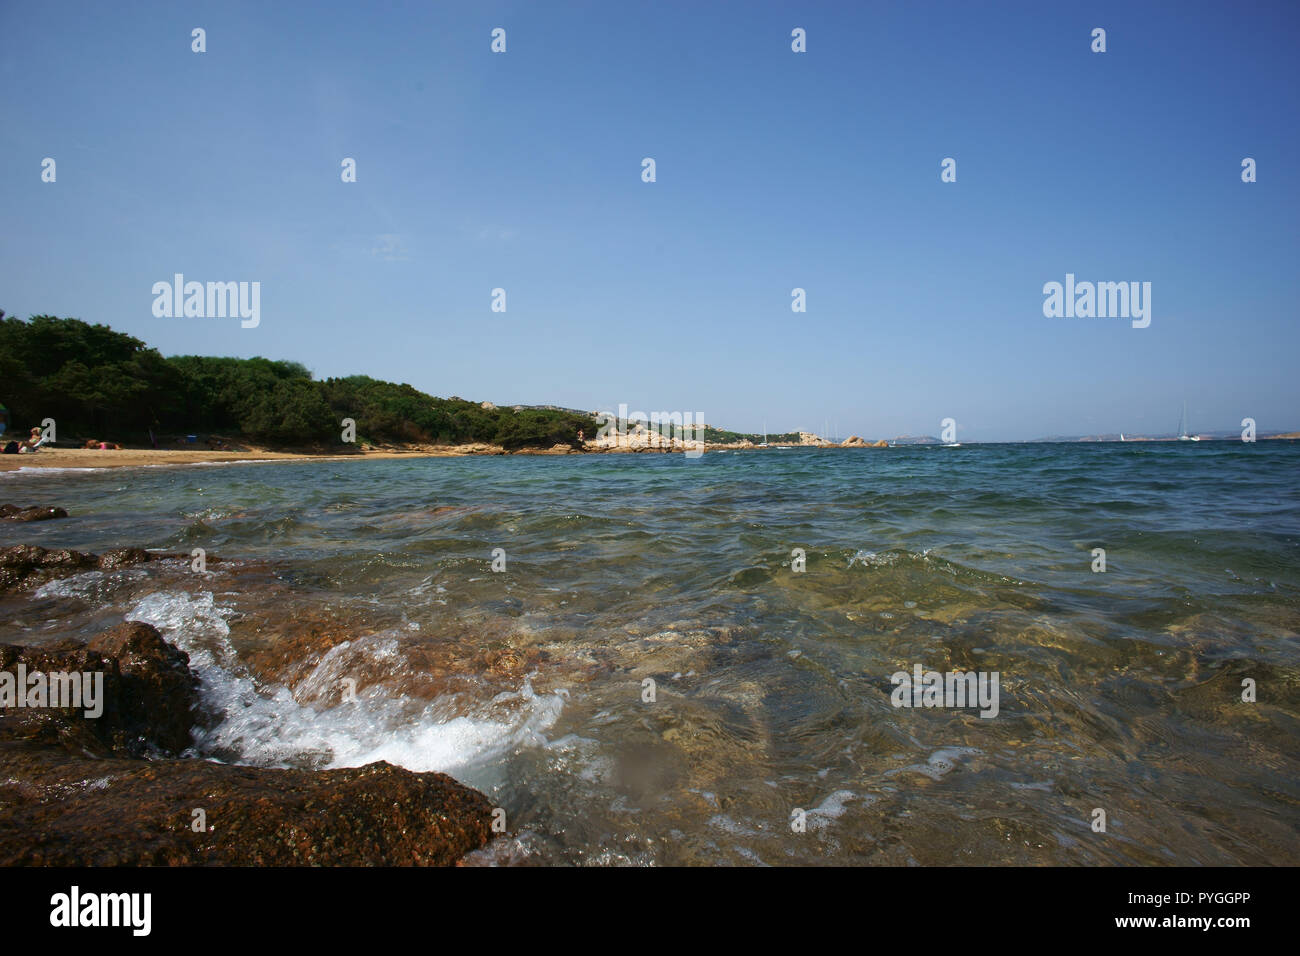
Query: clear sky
[[775, 170]]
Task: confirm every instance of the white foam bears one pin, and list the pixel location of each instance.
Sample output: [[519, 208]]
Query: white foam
[[88, 584], [940, 763], [832, 808], [36, 469], [271, 726]]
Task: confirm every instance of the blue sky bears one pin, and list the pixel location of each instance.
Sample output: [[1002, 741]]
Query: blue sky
[[775, 170]]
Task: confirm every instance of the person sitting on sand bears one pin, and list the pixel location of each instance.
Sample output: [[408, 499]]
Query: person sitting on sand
[[33, 443]]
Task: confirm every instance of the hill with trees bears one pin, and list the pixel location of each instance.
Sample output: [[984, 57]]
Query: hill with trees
[[96, 382]]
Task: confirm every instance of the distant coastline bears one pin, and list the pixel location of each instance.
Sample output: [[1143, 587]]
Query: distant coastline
[[59, 459], [87, 387]]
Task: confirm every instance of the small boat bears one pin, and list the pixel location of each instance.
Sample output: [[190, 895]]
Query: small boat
[[1182, 428]]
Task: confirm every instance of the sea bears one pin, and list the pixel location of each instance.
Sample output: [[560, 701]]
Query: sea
[[651, 660]]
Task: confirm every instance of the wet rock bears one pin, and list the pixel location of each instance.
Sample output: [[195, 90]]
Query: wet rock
[[146, 693], [24, 566], [14, 513], [64, 727], [74, 791], [158, 693], [122, 557], [86, 812]]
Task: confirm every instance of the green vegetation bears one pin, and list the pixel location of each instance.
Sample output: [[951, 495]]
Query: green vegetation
[[719, 436], [95, 382]]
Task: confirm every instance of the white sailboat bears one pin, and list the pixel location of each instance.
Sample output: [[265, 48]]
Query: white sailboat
[[1182, 428], [1121, 436], [764, 443]]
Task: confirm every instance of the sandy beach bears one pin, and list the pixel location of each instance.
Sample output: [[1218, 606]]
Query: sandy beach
[[56, 458], [139, 457]]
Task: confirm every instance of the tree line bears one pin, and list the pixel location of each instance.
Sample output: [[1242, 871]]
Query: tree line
[[95, 382]]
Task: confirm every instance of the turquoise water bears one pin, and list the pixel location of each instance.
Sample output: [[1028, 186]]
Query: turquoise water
[[1119, 691]]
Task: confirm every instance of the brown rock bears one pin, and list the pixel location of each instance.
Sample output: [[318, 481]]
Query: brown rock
[[73, 793], [158, 692], [26, 565], [56, 811], [148, 692], [121, 557], [14, 513]]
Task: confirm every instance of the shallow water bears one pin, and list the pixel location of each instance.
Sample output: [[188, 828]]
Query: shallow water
[[1119, 690]]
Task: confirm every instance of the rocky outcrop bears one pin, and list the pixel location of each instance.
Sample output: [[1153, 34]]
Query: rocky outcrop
[[75, 791], [148, 695], [157, 695], [556, 449], [191, 812], [639, 437], [87, 812], [14, 513], [853, 441]]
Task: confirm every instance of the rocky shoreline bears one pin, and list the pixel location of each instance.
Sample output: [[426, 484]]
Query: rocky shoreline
[[114, 789]]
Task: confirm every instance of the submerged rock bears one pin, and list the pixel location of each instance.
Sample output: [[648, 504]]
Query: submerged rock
[[14, 513], [24, 566], [75, 790]]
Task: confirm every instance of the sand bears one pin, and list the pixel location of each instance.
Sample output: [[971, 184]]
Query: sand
[[138, 457], [53, 458]]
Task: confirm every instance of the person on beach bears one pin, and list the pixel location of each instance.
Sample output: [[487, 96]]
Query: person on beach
[[33, 442]]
